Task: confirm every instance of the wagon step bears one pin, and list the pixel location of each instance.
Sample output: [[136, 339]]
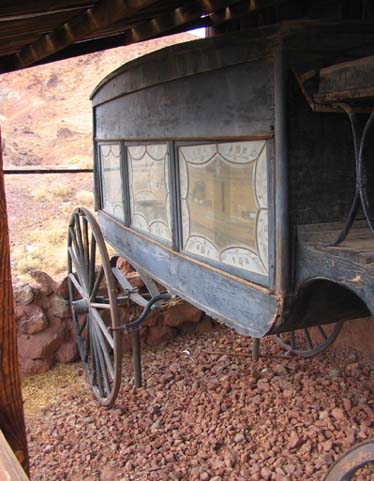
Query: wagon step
[[344, 82]]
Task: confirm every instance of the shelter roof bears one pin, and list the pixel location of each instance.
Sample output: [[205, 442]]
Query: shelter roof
[[39, 31]]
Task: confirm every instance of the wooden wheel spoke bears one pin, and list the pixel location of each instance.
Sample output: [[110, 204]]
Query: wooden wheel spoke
[[83, 325], [86, 245], [76, 284], [103, 327], [78, 231], [77, 266], [293, 340], [74, 244], [102, 372], [308, 338], [95, 364], [87, 342], [81, 347], [92, 264], [322, 332], [97, 283], [103, 347]]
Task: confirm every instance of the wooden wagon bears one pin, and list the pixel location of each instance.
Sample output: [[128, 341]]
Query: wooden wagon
[[226, 172]]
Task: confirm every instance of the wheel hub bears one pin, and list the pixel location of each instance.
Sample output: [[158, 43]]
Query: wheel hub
[[82, 306]]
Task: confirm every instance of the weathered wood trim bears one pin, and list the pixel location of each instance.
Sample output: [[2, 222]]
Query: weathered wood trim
[[282, 245], [247, 307], [107, 218], [236, 138], [317, 261], [10, 469], [346, 81], [11, 406]]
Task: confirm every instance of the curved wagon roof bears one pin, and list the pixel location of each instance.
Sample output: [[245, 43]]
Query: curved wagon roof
[[223, 51]]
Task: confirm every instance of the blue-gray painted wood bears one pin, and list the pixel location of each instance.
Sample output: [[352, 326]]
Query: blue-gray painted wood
[[250, 311], [229, 88], [350, 265], [182, 61], [205, 105]]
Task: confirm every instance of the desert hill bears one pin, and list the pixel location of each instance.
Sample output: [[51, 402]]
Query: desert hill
[[45, 112], [46, 119]]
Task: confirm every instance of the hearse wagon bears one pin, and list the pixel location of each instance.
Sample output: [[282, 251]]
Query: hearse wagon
[[235, 172]]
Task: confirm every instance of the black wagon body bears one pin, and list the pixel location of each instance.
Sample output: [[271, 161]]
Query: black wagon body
[[255, 185], [234, 173]]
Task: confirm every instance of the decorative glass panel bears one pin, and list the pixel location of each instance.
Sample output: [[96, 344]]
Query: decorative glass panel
[[110, 158], [223, 190], [149, 189]]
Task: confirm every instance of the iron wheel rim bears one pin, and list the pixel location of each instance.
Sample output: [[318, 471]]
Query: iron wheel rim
[[293, 345], [94, 317]]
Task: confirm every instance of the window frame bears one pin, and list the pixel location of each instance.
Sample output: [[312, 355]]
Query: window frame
[[176, 243], [100, 182], [266, 280], [171, 176]]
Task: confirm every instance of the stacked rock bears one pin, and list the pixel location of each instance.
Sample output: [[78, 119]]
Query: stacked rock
[[44, 327], [45, 332]]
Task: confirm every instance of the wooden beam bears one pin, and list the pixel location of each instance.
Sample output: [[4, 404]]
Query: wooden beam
[[101, 16], [10, 469], [15, 9], [109, 12], [12, 421], [175, 19], [242, 9]]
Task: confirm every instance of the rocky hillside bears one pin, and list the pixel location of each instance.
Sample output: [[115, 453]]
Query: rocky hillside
[[46, 119], [45, 112]]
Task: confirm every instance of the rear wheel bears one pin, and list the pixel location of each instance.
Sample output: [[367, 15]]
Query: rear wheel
[[94, 308], [309, 341], [357, 464]]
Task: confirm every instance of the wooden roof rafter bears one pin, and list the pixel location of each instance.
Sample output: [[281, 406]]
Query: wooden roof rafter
[[100, 16], [46, 31]]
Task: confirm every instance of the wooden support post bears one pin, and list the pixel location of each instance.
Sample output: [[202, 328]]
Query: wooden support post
[[10, 469], [12, 421]]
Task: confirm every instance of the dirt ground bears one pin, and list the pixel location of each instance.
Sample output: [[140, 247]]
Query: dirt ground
[[39, 208], [206, 412]]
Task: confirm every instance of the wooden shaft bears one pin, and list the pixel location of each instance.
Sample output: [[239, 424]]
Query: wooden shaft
[[12, 422]]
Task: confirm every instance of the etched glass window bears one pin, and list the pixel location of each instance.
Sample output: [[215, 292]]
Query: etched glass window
[[112, 199], [223, 189], [149, 189]]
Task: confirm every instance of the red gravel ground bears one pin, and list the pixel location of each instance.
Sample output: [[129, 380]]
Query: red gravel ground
[[208, 413]]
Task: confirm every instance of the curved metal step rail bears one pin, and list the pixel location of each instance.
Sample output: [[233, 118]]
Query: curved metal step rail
[[360, 132]]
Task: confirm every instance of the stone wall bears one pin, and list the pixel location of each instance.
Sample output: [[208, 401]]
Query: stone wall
[[45, 332], [44, 327]]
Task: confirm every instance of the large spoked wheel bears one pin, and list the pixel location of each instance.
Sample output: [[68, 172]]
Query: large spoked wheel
[[94, 306], [309, 341]]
